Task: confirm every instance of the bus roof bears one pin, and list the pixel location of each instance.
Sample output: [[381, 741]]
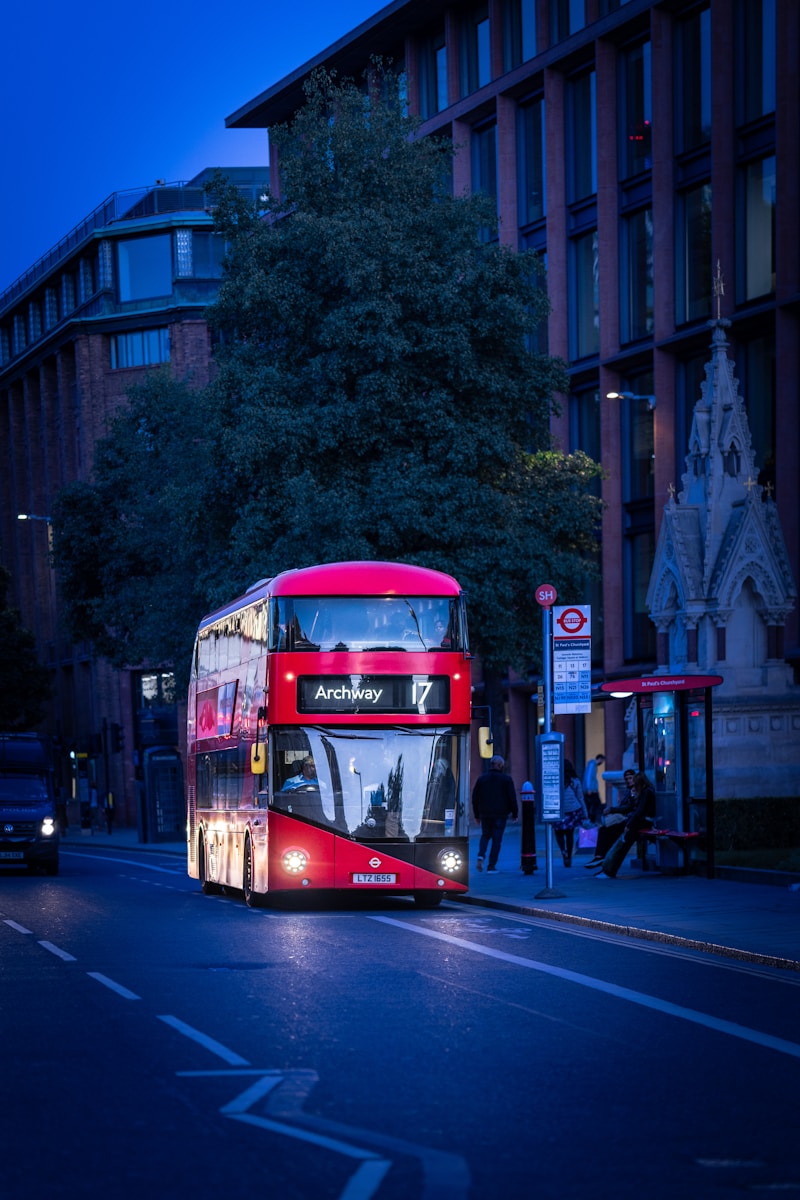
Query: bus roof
[[346, 579], [364, 579]]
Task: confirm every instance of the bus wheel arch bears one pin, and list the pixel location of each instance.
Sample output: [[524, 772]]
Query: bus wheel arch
[[206, 886]]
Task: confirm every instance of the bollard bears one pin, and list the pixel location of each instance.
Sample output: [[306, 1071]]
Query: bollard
[[528, 832]]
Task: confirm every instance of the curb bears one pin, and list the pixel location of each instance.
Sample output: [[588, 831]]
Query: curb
[[646, 935]]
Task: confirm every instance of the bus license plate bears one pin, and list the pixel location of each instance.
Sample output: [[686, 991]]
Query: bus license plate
[[15, 854], [372, 877]]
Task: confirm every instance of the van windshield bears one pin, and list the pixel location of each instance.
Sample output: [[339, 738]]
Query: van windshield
[[22, 789]]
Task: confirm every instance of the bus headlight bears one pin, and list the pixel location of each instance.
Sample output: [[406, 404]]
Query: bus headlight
[[450, 861], [295, 861], [48, 827]]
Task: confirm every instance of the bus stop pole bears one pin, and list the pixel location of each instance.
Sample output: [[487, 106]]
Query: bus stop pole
[[549, 892]]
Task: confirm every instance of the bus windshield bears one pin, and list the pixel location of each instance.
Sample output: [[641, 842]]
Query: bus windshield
[[393, 783], [366, 623]]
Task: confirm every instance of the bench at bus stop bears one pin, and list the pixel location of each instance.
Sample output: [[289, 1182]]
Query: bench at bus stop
[[682, 840]]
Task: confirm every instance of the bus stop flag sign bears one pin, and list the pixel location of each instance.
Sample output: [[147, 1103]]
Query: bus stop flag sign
[[572, 659]]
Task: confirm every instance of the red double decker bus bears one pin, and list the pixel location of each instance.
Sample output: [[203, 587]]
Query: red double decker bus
[[328, 735]]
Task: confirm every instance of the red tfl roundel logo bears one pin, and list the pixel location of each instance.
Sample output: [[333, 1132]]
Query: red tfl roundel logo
[[572, 620]]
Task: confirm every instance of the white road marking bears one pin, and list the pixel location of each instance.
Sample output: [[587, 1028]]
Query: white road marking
[[59, 953], [19, 928], [115, 987], [611, 989], [228, 1056]]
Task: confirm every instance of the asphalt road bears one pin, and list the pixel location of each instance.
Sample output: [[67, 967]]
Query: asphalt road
[[161, 1043]]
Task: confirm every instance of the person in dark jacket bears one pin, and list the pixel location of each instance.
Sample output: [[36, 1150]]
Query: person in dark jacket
[[613, 822], [494, 799], [644, 811]]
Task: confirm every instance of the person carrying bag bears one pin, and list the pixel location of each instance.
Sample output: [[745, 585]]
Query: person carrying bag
[[573, 812]]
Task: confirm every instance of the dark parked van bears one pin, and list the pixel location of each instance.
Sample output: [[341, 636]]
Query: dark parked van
[[28, 827]]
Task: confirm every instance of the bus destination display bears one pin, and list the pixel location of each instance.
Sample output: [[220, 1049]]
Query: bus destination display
[[373, 693]]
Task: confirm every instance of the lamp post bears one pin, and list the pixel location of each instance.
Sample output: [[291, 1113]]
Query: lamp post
[[34, 517], [651, 400]]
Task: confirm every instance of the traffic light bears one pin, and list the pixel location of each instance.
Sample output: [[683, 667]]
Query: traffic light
[[117, 738]]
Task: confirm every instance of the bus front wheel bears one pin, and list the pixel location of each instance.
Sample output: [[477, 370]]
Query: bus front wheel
[[252, 898], [427, 899]]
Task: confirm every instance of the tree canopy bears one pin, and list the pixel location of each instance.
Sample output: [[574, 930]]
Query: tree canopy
[[25, 684], [376, 397]]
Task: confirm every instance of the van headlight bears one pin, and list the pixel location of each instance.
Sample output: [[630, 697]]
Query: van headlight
[[48, 827]]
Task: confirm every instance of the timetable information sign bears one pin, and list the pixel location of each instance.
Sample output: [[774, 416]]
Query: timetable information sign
[[572, 659]]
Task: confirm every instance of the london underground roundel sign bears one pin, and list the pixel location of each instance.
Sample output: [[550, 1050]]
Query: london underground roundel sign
[[546, 595], [572, 620]]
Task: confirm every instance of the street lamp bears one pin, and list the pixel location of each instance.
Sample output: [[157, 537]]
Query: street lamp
[[651, 400], [34, 517]]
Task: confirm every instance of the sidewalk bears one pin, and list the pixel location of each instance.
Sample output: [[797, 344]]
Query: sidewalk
[[754, 922]]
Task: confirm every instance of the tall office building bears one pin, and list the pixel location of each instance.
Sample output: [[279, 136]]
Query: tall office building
[[645, 150]]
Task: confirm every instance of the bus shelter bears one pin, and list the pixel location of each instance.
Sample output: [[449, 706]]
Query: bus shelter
[[674, 747]]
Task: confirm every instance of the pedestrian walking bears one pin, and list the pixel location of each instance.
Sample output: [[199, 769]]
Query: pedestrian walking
[[573, 812], [591, 786], [494, 800]]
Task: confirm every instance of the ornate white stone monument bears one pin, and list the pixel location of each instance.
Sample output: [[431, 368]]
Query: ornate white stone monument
[[721, 589]]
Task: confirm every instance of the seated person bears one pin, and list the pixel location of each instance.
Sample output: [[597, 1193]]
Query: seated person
[[614, 820], [306, 778]]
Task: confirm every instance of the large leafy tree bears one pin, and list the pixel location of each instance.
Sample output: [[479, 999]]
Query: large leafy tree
[[376, 397], [25, 684]]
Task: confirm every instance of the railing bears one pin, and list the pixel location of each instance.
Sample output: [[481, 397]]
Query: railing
[[120, 206]]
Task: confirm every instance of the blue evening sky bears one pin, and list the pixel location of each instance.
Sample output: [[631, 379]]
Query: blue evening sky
[[102, 97]]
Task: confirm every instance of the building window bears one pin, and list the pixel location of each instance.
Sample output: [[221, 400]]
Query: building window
[[582, 137], [689, 379], [50, 308], [35, 320], [20, 333], [144, 267], [530, 160], [184, 267], [566, 17], [433, 74], [584, 320], [757, 225], [636, 319], [476, 63], [68, 291], [484, 169], [638, 445], [757, 49], [5, 346], [693, 76], [693, 265], [637, 112], [208, 252], [140, 348], [519, 32], [537, 342], [88, 277], [639, 632], [756, 371]]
